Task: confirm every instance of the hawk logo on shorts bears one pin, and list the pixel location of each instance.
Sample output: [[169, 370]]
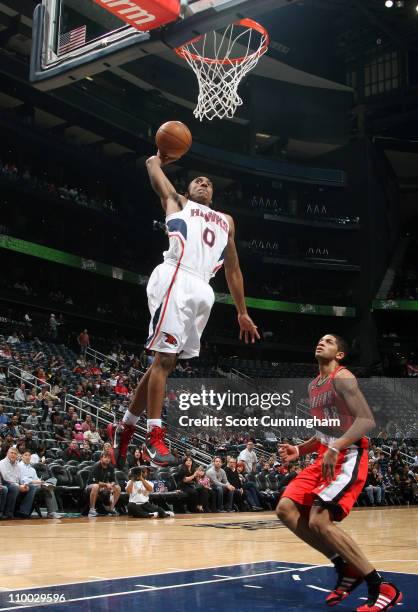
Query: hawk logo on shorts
[[170, 339]]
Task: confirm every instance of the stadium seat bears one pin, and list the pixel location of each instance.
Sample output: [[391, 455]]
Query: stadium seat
[[42, 470], [84, 477]]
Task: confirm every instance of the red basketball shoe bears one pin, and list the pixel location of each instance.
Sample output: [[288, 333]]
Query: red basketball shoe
[[120, 436], [155, 451], [387, 597], [348, 580]]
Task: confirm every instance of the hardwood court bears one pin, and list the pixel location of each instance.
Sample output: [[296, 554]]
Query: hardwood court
[[47, 552]]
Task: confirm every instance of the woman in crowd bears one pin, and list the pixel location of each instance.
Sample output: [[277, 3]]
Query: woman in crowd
[[139, 489], [187, 478], [78, 432], [136, 459], [39, 456], [204, 489]]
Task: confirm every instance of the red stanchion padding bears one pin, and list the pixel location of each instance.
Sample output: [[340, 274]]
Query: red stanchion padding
[[143, 15]]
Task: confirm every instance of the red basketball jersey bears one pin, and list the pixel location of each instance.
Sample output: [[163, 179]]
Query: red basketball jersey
[[325, 403]]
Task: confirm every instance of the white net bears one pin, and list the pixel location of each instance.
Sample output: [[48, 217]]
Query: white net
[[220, 62]]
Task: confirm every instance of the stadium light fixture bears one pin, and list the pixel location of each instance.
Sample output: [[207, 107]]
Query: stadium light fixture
[[389, 3]]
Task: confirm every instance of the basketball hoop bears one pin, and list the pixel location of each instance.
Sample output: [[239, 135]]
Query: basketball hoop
[[218, 72]]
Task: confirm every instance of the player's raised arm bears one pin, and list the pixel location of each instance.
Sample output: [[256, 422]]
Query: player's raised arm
[[235, 282], [346, 386], [171, 201]]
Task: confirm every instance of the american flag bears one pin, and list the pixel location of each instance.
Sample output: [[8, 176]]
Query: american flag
[[71, 40]]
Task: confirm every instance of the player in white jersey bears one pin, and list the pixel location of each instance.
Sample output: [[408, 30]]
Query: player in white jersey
[[180, 299]]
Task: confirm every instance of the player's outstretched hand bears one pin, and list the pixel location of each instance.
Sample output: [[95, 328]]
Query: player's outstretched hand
[[288, 453], [247, 328], [165, 159]]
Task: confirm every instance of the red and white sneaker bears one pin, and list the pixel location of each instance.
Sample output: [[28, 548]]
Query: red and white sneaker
[[348, 580], [120, 436], [388, 596], [155, 451]]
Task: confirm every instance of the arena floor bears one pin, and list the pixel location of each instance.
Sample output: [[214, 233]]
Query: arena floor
[[119, 563]]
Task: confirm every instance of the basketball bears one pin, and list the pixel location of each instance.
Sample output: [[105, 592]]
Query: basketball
[[173, 139]]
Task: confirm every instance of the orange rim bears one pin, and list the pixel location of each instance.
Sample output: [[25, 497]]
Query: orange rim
[[249, 23]]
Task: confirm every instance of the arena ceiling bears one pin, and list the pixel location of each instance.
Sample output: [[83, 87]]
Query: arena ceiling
[[312, 42]]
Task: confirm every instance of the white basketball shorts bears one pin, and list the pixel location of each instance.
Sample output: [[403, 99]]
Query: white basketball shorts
[[180, 304]]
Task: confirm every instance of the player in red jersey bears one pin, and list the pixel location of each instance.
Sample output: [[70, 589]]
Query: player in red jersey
[[326, 491]]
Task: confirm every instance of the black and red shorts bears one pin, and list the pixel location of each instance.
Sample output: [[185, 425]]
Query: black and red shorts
[[341, 493]]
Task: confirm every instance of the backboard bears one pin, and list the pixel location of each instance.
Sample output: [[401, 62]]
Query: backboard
[[74, 39]]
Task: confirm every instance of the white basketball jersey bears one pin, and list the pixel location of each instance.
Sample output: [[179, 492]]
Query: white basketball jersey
[[198, 237]]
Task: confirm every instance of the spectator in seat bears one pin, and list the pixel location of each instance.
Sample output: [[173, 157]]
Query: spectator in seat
[[92, 436], [284, 480], [39, 456], [406, 480], [12, 478], [268, 494], [20, 393], [208, 498], [72, 452], [3, 497], [71, 415], [13, 339], [374, 487], [7, 443], [58, 427], [266, 468], [382, 462], [68, 430], [107, 448], [120, 387], [20, 447], [27, 375], [85, 451], [139, 489], [46, 396], [30, 477], [136, 459], [32, 421], [102, 479], [249, 457], [47, 401], [224, 491], [234, 480], [251, 495], [396, 461], [15, 429], [176, 455], [4, 418], [187, 478], [85, 425], [78, 433], [32, 396], [31, 442]]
